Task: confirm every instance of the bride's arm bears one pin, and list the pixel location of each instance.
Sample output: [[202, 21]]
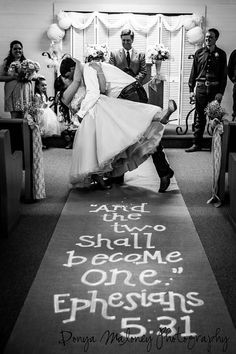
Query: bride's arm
[[70, 91], [100, 76], [92, 90]]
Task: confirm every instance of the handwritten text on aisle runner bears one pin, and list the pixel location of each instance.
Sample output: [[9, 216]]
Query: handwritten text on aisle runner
[[145, 287]]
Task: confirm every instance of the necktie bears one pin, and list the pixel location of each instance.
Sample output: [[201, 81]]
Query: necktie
[[128, 59]]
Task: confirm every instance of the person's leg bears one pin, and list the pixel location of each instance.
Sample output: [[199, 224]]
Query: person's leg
[[163, 168], [131, 96], [100, 182], [164, 116], [199, 119]]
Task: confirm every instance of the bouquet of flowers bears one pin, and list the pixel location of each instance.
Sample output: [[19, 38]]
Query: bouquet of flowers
[[26, 70], [158, 52], [215, 111], [97, 51]]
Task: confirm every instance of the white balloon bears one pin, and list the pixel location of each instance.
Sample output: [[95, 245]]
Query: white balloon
[[195, 35], [197, 19], [60, 15], [64, 23], [189, 23], [55, 33]]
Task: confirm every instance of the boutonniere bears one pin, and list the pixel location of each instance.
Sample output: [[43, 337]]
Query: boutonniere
[[216, 54]]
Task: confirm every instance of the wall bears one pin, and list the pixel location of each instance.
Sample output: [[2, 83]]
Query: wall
[[28, 20]]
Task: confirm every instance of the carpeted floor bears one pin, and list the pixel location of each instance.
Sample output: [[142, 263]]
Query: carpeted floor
[[218, 237], [22, 253]]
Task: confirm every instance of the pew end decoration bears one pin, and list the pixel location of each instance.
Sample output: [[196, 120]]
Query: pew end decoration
[[33, 117], [215, 114]]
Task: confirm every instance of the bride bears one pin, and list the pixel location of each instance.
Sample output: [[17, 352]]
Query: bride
[[115, 135]]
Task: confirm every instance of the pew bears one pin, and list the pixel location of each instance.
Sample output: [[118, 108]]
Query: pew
[[21, 140], [232, 187], [228, 145], [10, 184]]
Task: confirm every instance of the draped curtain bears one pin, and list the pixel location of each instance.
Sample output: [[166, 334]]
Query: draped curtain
[[90, 28], [127, 19]]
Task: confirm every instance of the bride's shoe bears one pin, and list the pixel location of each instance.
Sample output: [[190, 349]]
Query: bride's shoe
[[100, 182], [172, 106]]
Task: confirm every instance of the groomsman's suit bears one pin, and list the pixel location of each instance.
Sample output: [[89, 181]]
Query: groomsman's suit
[[137, 67], [134, 64]]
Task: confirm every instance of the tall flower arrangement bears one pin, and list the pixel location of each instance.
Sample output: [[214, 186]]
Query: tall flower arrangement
[[157, 52]]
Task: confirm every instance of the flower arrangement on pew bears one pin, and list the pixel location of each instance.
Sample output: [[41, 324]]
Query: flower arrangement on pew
[[215, 113], [26, 70], [33, 115]]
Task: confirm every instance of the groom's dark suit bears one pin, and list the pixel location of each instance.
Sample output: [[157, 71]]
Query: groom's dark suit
[[138, 69]]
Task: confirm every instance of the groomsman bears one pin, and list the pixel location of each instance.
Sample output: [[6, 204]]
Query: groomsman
[[128, 59], [133, 63], [207, 82]]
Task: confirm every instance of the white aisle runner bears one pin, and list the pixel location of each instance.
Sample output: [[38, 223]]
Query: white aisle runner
[[124, 272]]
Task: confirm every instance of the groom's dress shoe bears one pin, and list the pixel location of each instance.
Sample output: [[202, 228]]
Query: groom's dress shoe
[[100, 183], [165, 181], [117, 180]]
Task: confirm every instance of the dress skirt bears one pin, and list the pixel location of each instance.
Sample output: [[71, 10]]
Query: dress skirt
[[49, 123], [116, 136], [18, 95]]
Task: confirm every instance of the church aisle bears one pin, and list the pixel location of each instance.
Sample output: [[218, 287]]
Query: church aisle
[[124, 268]]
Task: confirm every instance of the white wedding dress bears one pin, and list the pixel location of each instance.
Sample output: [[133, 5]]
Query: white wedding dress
[[114, 137], [49, 124]]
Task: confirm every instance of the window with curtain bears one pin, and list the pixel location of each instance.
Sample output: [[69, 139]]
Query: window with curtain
[[106, 29]]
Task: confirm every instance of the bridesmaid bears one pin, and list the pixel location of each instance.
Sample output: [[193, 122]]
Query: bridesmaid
[[17, 94]]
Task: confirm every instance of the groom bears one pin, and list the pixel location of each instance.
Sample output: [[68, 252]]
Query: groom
[[119, 85]]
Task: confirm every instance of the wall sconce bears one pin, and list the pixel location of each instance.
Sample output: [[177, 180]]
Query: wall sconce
[[51, 62]]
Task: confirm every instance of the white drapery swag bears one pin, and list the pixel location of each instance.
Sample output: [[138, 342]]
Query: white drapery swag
[[127, 19]]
